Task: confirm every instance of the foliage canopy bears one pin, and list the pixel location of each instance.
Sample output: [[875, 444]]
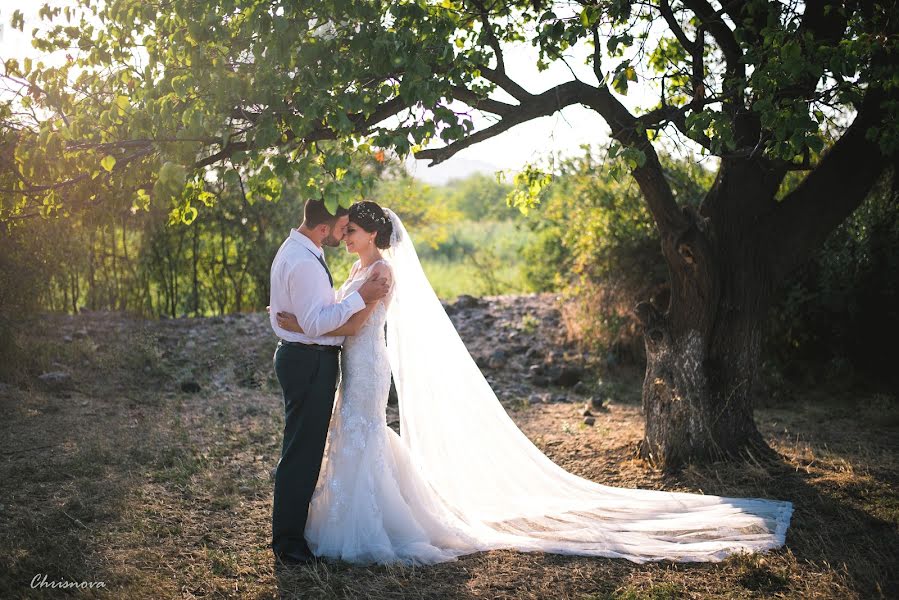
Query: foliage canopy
[[159, 102]]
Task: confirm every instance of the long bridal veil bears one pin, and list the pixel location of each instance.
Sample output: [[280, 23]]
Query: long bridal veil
[[490, 476]]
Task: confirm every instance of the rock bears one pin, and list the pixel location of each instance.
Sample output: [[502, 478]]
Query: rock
[[190, 387], [466, 301], [448, 308], [560, 398], [587, 412], [67, 338], [538, 398], [540, 380], [535, 370], [55, 378], [80, 334], [580, 387], [552, 372], [498, 359], [568, 376], [190, 345], [534, 352], [597, 403], [556, 356], [589, 420]]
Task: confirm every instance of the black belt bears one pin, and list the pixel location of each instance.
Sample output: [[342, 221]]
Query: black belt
[[319, 347]]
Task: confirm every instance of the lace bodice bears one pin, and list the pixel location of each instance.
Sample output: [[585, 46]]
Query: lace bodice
[[376, 320]]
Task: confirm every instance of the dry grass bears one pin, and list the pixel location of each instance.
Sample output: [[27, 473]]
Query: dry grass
[[119, 476]]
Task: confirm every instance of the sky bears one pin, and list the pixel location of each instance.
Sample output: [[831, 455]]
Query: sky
[[562, 133]]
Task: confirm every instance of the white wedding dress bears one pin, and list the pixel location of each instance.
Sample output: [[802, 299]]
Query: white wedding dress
[[369, 505], [463, 478]]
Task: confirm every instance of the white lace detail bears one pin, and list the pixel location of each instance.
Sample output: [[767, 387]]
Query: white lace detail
[[364, 509]]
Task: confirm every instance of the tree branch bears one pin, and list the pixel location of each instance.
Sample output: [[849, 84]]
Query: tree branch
[[650, 176], [362, 124], [676, 29], [597, 55], [505, 83], [541, 105], [844, 176], [486, 104], [723, 35], [492, 41]]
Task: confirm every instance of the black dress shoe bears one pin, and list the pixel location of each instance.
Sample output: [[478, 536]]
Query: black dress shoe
[[294, 561]]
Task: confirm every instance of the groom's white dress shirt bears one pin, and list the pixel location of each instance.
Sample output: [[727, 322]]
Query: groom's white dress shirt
[[299, 285]]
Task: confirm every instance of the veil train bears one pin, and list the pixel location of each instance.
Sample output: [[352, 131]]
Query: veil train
[[504, 489]]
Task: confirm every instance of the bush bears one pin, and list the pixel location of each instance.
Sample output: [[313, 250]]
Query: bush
[[595, 241], [32, 255], [840, 309]]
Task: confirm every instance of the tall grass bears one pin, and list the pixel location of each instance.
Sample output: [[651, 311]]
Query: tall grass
[[480, 258]]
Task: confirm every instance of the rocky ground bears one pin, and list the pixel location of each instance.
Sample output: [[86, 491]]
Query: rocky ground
[[139, 453]]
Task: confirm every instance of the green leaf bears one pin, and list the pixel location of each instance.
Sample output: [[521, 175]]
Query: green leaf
[[142, 202], [108, 162], [815, 143], [188, 215], [331, 203]]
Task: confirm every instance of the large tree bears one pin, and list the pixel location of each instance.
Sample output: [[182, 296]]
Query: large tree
[[159, 100]]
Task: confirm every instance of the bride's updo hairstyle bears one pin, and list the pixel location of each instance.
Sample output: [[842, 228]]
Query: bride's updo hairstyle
[[372, 218]]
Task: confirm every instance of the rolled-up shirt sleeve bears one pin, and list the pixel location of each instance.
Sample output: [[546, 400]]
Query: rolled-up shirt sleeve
[[318, 315]]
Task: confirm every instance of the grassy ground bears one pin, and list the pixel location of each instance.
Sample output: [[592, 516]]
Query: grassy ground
[[119, 476]]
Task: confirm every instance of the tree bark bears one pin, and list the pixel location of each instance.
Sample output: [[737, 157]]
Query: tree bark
[[697, 399], [702, 349]]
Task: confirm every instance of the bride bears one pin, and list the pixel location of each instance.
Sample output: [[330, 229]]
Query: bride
[[461, 477]]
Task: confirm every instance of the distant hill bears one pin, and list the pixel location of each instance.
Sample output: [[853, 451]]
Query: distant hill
[[454, 168]]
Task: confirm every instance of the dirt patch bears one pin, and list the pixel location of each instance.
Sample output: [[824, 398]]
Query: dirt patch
[[147, 466]]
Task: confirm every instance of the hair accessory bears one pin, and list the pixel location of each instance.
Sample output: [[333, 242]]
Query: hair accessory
[[365, 211]]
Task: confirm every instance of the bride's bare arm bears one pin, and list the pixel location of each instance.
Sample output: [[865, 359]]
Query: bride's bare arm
[[289, 322]]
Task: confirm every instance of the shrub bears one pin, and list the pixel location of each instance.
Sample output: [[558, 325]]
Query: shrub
[[595, 241], [840, 309]]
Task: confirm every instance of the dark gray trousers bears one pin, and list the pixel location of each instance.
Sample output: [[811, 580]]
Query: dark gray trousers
[[308, 378]]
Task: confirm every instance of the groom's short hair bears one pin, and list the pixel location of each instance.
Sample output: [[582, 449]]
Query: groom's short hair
[[315, 213]]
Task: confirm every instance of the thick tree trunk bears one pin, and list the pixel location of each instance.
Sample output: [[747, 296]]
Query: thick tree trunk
[[703, 348], [697, 399]]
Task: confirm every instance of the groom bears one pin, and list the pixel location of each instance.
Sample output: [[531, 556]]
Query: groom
[[307, 365]]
